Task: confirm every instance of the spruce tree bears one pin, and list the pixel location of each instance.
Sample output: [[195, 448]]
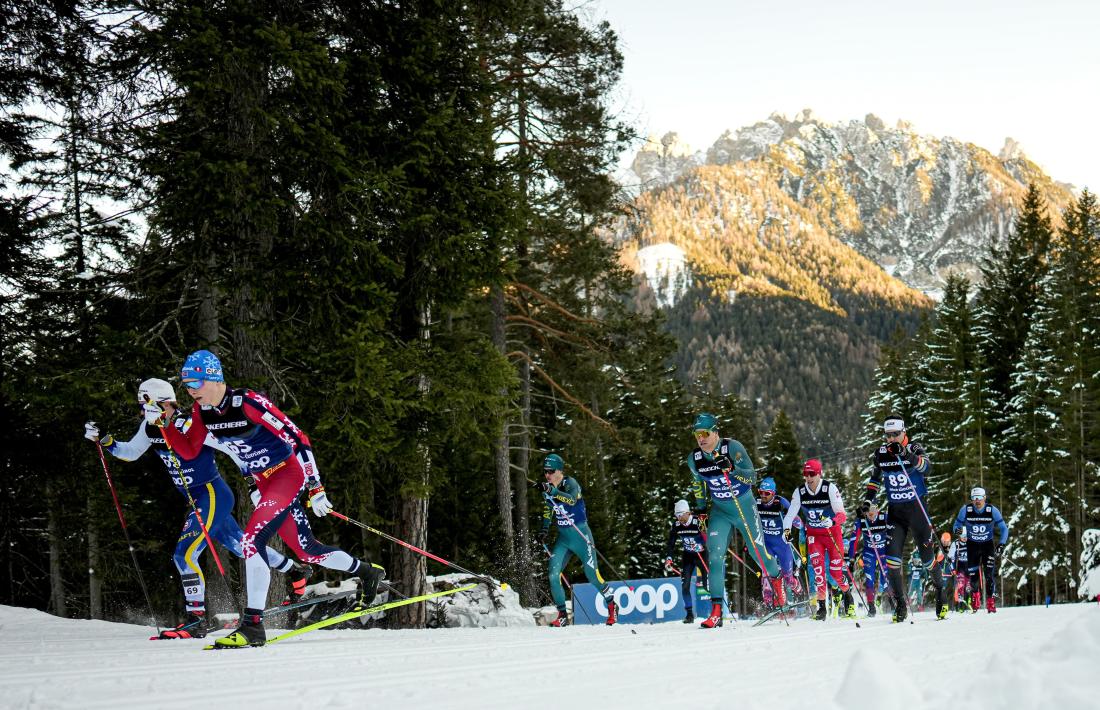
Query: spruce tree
[[783, 455]]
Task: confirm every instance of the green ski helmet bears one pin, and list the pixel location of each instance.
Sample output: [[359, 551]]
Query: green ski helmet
[[553, 462]]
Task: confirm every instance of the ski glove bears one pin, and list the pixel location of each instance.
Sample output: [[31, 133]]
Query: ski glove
[[865, 509], [894, 448], [541, 536], [547, 487], [254, 494], [319, 502], [787, 534], [669, 566], [91, 433], [998, 550]]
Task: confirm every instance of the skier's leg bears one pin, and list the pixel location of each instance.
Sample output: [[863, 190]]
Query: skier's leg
[[558, 557], [189, 547], [718, 541], [298, 536], [815, 546], [748, 523], [688, 563], [277, 494], [895, 541]]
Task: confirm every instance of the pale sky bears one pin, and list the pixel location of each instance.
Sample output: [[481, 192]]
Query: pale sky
[[976, 70]]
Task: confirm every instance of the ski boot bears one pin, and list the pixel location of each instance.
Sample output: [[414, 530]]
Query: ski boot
[[990, 605], [370, 575], [249, 633], [871, 610], [848, 605], [780, 594], [792, 582], [562, 620], [822, 612], [769, 596], [296, 580], [901, 613], [942, 612], [195, 627], [715, 618], [975, 602], [612, 613], [690, 618]]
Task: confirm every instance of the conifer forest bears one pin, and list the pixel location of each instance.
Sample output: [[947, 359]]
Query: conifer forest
[[392, 219]]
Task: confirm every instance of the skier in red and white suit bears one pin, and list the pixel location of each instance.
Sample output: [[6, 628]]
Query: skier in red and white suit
[[279, 457], [823, 514]]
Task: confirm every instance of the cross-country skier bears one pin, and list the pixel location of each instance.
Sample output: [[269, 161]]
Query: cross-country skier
[[723, 473], [900, 467], [916, 581], [280, 459], [820, 502], [980, 521], [962, 572], [688, 534], [563, 505], [873, 530], [199, 478], [771, 508]]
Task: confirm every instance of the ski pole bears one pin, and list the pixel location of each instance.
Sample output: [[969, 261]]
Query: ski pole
[[488, 581], [738, 558], [194, 506], [745, 522], [126, 534]]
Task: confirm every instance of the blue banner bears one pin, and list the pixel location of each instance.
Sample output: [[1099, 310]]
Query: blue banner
[[640, 601]]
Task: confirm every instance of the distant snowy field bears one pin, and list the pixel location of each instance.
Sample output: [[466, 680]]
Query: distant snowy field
[[1030, 657]]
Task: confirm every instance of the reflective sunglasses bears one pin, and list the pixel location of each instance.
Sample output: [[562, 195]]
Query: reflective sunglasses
[[193, 384], [703, 432]]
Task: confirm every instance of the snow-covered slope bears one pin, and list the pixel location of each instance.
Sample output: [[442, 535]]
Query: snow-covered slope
[[1019, 658]]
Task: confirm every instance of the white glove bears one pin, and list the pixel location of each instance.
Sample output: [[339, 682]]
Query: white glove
[[319, 502], [91, 431], [254, 494]]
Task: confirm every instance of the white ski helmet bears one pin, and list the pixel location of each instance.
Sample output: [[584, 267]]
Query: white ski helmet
[[681, 507], [977, 492], [152, 391]]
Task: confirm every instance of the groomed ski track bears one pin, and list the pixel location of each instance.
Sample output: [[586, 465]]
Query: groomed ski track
[[1031, 657]]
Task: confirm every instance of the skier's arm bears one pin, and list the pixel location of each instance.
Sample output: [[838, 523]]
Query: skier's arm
[[743, 469], [671, 547], [261, 411], [960, 519], [698, 490], [874, 483], [213, 443], [1000, 525], [784, 506], [839, 516], [792, 512], [132, 449], [187, 444]]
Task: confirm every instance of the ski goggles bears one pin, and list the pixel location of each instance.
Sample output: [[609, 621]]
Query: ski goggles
[[193, 384]]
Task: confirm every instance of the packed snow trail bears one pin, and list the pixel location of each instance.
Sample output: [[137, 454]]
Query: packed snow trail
[[1018, 657]]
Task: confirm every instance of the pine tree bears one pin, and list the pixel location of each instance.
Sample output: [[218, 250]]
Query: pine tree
[[949, 407], [783, 455], [1005, 305]]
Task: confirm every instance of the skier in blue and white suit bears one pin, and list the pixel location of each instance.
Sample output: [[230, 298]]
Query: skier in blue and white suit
[[980, 521], [771, 508]]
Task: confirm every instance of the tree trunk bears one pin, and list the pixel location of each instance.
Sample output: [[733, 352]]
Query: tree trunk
[[53, 534], [95, 581], [501, 458]]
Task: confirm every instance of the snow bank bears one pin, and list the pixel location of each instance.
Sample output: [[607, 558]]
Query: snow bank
[[481, 607]]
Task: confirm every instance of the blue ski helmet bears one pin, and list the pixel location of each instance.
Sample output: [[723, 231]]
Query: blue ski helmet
[[705, 420], [202, 365], [768, 484], [553, 462]]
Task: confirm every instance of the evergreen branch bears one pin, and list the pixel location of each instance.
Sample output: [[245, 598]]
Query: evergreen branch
[[552, 303], [562, 391]]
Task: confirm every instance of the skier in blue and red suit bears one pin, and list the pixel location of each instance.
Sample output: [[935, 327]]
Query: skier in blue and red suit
[[873, 530], [280, 460], [199, 480], [771, 509]]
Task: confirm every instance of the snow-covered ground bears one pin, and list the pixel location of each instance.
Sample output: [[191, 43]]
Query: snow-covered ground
[[1030, 657]]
